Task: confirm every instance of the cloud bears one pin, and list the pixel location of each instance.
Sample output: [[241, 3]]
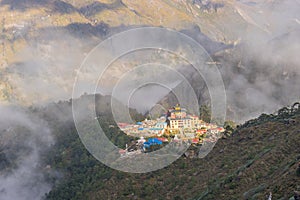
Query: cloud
[[23, 138], [261, 73]]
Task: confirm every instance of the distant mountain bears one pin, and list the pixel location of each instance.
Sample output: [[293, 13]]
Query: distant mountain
[[50, 38], [255, 45]]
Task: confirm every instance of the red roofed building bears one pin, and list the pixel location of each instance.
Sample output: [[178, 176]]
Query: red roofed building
[[201, 131], [163, 139], [195, 141], [122, 151]]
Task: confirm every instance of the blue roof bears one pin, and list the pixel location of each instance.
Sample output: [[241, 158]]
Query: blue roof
[[156, 129], [154, 141], [147, 144]]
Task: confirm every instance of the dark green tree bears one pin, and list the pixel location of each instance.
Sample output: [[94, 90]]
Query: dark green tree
[[205, 113], [229, 126]]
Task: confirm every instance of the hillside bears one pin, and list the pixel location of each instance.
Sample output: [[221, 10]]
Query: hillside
[[254, 44], [261, 156], [31, 30], [43, 43], [41, 145]]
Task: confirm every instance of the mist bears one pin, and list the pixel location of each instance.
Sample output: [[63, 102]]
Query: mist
[[23, 138], [260, 73]]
